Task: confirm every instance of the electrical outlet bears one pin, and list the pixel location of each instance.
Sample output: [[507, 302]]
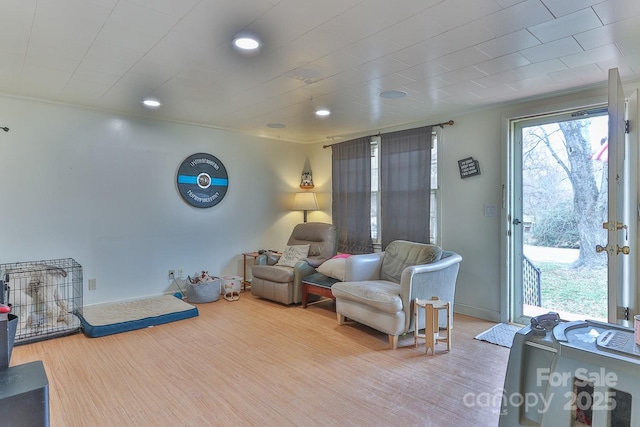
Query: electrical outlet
[[180, 273], [92, 284], [172, 274]]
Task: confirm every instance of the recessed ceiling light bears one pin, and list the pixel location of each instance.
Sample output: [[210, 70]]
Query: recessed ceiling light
[[323, 112], [151, 103], [275, 125], [246, 43], [393, 94]]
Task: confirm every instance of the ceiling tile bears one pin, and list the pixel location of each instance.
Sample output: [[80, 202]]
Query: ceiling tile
[[390, 82], [372, 47], [94, 63], [100, 78], [518, 17], [420, 53], [591, 56], [354, 25], [503, 63], [124, 27], [314, 45], [554, 49], [616, 10], [301, 17], [499, 93], [464, 88], [509, 3], [630, 61], [564, 7], [497, 78], [580, 72], [427, 85], [456, 13], [568, 25], [16, 26], [532, 83], [540, 68], [37, 80], [508, 43], [381, 67], [457, 76], [169, 7], [404, 33], [57, 23], [462, 37], [625, 33], [66, 58], [336, 63], [83, 92], [107, 4], [424, 71], [461, 59]]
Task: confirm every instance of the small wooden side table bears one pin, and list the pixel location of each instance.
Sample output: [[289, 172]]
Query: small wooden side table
[[431, 329], [253, 255]]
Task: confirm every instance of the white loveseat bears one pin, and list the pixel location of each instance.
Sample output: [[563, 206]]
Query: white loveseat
[[379, 288]]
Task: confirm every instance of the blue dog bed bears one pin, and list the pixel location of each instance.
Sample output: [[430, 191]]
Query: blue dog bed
[[114, 318]]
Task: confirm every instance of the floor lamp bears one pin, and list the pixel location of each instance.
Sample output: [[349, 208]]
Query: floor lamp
[[305, 202]]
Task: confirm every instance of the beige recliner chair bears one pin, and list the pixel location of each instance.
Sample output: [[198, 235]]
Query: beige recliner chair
[[380, 287], [284, 284]]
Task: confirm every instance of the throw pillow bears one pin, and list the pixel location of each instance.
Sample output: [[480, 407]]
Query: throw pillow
[[292, 254], [334, 267], [342, 256]]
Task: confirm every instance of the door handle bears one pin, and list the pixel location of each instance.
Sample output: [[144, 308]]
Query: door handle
[[516, 221], [613, 251]]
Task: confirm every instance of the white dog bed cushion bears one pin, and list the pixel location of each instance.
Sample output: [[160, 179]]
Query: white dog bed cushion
[[112, 318]]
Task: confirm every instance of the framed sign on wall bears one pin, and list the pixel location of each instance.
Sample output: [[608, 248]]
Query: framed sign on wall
[[202, 180], [468, 167]]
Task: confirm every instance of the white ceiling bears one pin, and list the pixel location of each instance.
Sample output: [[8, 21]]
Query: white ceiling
[[449, 56]]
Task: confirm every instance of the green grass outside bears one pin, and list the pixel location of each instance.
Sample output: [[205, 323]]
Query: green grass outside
[[580, 291]]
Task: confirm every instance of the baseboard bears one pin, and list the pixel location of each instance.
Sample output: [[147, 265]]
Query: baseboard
[[480, 313]]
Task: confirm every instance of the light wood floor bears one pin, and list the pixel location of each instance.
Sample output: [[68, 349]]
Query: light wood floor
[[255, 362]]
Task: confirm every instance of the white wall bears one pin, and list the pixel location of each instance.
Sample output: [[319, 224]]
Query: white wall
[[101, 189]]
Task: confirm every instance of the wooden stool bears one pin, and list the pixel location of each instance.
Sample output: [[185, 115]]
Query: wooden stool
[[431, 330]]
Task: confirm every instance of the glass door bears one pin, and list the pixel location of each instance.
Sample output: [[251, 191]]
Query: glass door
[[570, 173], [560, 205]]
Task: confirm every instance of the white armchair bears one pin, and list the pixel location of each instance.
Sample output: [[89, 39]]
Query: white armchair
[[379, 288]]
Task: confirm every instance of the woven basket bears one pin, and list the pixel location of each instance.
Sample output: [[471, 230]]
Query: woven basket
[[203, 291]]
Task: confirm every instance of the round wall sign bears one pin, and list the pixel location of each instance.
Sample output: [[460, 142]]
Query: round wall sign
[[202, 180]]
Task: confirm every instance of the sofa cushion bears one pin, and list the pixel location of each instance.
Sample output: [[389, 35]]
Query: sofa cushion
[[379, 294], [401, 254], [292, 254], [334, 267], [273, 273]]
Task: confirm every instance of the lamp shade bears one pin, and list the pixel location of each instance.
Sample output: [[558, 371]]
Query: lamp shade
[[305, 202]]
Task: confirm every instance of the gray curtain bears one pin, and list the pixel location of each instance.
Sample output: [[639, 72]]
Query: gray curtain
[[351, 182], [405, 185]]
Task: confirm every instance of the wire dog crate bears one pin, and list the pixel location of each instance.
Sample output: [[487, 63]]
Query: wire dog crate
[[45, 295]]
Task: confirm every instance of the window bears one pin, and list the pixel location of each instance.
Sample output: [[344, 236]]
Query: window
[[375, 190], [435, 195]]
